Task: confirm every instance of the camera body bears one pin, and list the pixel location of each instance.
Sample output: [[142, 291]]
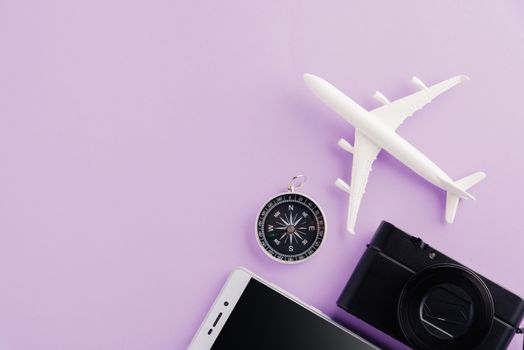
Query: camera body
[[427, 300]]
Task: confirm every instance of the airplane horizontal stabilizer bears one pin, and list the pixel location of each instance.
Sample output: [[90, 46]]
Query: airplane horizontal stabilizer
[[465, 184], [454, 189], [471, 180]]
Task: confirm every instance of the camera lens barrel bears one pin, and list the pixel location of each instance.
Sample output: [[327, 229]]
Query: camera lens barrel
[[445, 306]]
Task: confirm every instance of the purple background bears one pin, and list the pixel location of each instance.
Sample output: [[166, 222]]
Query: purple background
[[138, 139]]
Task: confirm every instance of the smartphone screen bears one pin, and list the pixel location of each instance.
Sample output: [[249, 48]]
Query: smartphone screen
[[265, 319]]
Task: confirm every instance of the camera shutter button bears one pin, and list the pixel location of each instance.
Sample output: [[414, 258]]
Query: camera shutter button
[[418, 242]]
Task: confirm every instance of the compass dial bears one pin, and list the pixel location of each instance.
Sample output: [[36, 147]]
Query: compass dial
[[290, 227]]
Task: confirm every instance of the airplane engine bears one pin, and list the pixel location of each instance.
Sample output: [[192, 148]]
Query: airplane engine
[[418, 83], [380, 98]]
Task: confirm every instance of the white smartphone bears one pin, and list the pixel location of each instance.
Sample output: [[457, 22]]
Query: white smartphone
[[250, 313]]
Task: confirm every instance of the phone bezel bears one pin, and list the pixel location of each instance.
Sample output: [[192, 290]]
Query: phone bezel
[[231, 292]]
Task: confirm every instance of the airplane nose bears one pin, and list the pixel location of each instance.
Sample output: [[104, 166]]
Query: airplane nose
[[311, 79], [318, 85], [307, 76]]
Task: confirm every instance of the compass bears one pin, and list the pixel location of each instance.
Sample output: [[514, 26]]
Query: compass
[[291, 226]]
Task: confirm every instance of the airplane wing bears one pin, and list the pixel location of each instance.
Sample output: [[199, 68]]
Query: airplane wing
[[394, 113], [364, 152]]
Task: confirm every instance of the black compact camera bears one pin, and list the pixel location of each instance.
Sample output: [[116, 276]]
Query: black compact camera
[[427, 300]]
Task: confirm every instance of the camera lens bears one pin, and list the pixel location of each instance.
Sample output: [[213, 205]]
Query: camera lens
[[446, 311], [447, 307]]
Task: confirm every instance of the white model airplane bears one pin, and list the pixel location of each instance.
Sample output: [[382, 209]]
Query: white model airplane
[[375, 130]]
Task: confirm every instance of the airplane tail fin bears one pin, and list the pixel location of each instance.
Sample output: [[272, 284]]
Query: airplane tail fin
[[458, 190]]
